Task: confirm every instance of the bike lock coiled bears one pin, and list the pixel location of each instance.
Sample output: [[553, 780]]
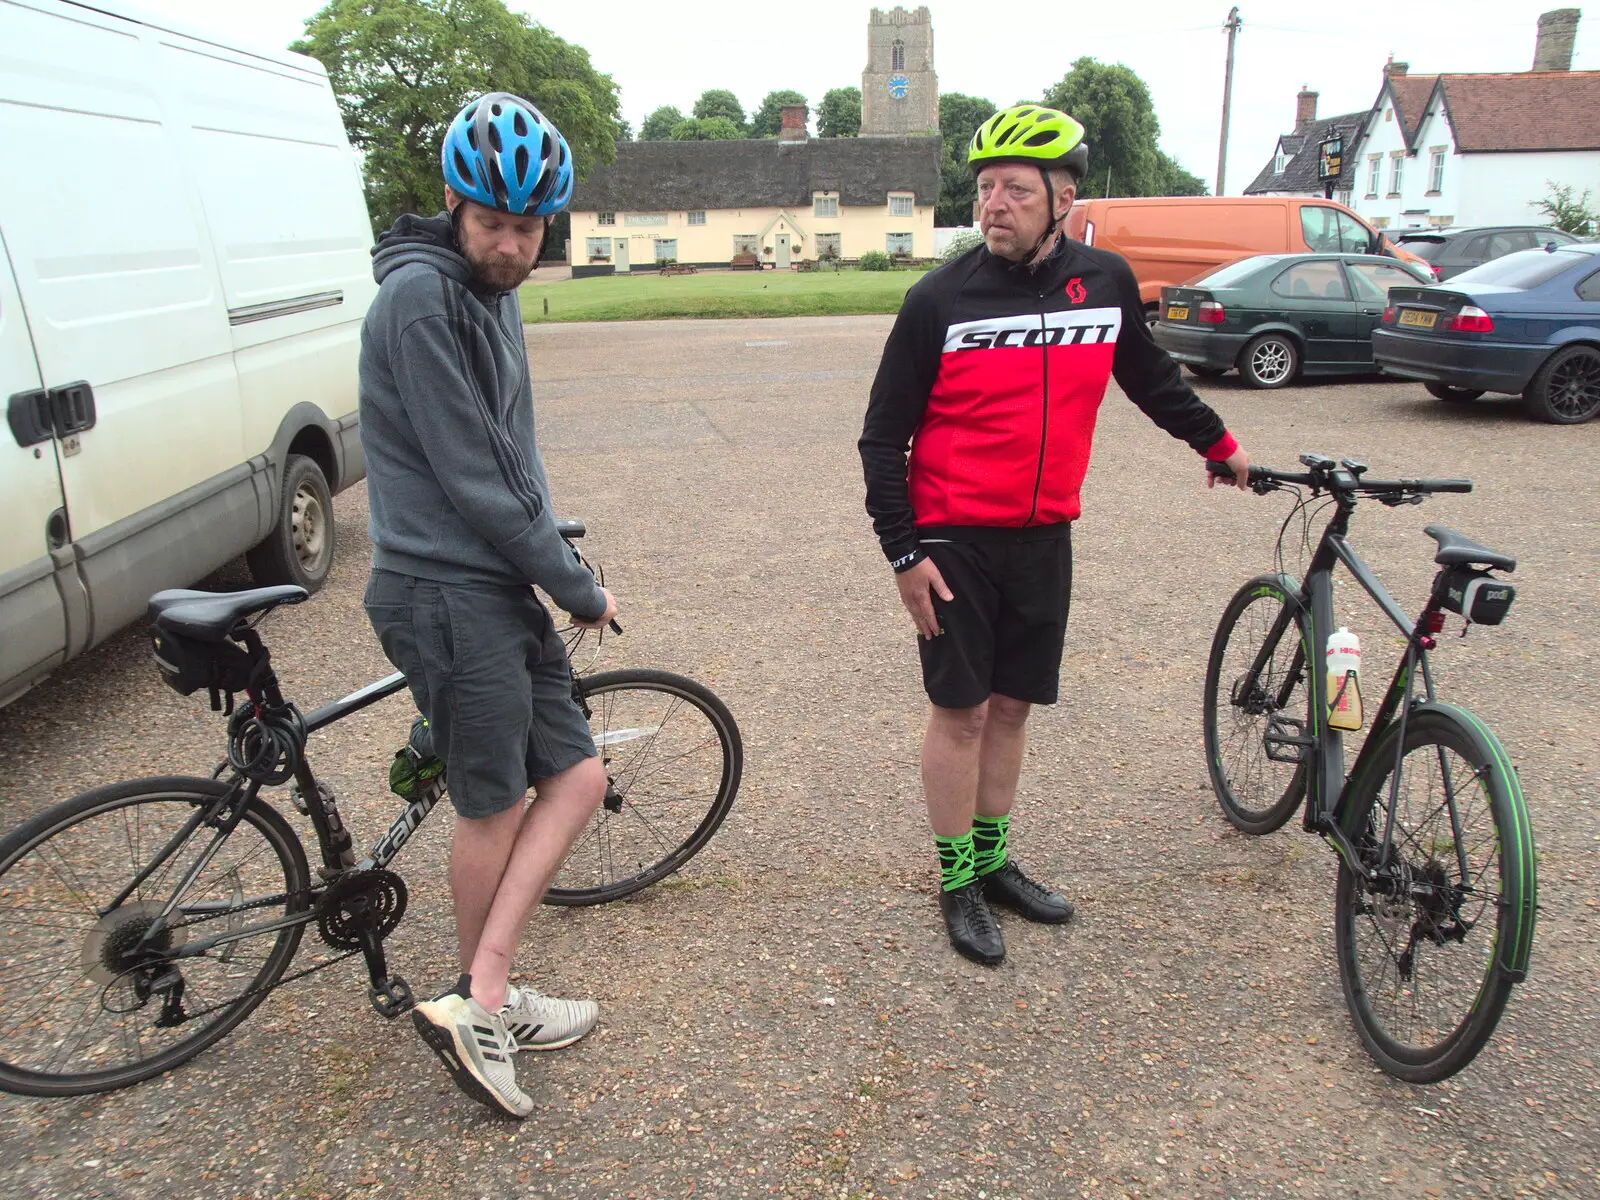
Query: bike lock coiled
[[266, 745]]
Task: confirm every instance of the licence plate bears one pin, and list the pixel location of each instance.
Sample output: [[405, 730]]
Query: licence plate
[[1177, 312], [1418, 318]]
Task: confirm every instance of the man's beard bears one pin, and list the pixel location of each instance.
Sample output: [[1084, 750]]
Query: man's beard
[[500, 272]]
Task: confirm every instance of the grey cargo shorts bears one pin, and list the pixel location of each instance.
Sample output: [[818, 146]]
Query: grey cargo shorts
[[487, 669]]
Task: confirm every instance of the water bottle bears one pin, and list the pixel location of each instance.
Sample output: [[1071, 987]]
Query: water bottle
[[1344, 680]]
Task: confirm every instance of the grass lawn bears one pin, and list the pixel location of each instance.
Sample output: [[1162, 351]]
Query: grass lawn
[[649, 297]]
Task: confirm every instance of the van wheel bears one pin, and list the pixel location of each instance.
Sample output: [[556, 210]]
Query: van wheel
[[1152, 316], [1566, 390], [1271, 361], [1454, 395], [299, 549]]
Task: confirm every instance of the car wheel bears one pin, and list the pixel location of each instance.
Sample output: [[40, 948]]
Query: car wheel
[[1152, 316], [1271, 361], [1455, 395], [1566, 390], [1206, 372], [299, 549]]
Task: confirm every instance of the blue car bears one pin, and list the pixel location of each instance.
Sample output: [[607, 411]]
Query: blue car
[[1527, 324]]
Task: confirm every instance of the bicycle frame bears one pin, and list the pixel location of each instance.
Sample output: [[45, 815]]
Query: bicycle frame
[[1324, 763]]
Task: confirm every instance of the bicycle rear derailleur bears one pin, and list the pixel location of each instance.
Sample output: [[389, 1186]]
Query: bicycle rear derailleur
[[357, 911]]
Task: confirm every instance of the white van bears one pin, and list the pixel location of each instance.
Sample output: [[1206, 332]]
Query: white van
[[184, 268]]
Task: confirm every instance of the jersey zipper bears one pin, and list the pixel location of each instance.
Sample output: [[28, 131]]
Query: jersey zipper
[[1044, 407]]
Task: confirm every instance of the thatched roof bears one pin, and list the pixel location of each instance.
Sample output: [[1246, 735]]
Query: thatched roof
[[761, 173]]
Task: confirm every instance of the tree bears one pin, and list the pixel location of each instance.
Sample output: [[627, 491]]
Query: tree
[[840, 113], [1176, 181], [1567, 211], [768, 119], [720, 103], [624, 130], [1113, 106], [400, 70], [959, 118], [710, 129], [658, 126]]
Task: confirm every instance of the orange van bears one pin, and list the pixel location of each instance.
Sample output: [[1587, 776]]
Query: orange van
[[1168, 240]]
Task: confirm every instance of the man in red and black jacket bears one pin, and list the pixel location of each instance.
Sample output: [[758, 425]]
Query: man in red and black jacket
[[992, 377]]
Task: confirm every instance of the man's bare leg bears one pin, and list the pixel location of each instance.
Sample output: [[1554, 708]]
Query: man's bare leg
[[500, 868], [951, 767], [1005, 737]]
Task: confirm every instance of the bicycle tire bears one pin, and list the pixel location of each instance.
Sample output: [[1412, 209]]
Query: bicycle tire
[[1257, 793], [1485, 825], [623, 705], [30, 877]]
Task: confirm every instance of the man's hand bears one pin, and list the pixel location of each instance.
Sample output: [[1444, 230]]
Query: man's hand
[[600, 621], [1239, 463], [915, 584]]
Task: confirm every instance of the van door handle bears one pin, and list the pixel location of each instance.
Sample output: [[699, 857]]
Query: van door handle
[[72, 406], [28, 414]]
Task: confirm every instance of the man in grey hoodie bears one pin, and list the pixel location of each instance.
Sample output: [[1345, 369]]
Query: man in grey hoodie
[[462, 528]]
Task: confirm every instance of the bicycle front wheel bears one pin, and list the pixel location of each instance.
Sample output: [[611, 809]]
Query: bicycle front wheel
[[88, 1003], [1432, 939], [1258, 707], [673, 758]]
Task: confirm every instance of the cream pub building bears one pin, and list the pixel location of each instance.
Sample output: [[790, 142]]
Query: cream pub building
[[781, 199]]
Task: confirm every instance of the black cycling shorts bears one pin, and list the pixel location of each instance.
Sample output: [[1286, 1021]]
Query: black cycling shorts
[[1004, 630]]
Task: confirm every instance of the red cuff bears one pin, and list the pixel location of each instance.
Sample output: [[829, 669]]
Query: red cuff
[[1223, 450]]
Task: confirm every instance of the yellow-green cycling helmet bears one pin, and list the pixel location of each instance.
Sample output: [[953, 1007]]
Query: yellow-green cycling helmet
[[1033, 135]]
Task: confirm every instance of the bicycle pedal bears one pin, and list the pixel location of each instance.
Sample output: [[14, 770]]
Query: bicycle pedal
[[1286, 740], [392, 998]]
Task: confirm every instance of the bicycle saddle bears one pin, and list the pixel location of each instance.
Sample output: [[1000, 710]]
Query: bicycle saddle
[[209, 616], [1456, 550]]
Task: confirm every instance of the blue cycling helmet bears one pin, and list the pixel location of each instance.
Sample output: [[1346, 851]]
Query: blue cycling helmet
[[501, 152]]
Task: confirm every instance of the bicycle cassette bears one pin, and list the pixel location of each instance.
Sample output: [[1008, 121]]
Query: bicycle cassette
[[359, 902]]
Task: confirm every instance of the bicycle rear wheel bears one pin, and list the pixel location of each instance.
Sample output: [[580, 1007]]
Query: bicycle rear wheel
[[1430, 946], [1258, 698], [83, 1008], [673, 758]]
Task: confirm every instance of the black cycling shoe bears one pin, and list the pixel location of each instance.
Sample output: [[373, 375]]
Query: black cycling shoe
[[1035, 902], [971, 925]]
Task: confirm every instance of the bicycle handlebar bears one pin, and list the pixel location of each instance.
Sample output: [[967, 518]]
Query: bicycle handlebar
[[1339, 479]]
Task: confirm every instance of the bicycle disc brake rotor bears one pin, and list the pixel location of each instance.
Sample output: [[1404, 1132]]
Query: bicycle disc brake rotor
[[354, 903], [108, 949]]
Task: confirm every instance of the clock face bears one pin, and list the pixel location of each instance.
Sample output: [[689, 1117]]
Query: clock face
[[899, 85]]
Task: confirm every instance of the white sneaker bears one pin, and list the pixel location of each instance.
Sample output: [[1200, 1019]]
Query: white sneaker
[[545, 1023], [475, 1047]]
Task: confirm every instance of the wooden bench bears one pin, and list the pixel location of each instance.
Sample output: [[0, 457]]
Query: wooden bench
[[678, 269], [745, 262]]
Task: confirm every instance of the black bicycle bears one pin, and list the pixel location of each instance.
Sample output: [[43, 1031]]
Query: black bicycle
[[142, 921], [1437, 896]]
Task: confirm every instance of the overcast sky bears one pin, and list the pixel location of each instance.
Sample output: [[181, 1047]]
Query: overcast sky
[[1013, 50]]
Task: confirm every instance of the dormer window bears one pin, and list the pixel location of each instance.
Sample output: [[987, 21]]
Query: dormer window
[[1281, 162]]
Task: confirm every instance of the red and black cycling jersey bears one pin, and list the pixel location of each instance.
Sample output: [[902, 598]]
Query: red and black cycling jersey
[[993, 376]]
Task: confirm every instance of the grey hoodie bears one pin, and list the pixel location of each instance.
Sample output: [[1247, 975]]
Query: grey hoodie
[[455, 485]]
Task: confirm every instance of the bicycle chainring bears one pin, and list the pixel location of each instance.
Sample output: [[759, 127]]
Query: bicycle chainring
[[360, 901]]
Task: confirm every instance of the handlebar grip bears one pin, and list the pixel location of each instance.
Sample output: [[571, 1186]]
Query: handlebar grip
[[615, 628], [1220, 469]]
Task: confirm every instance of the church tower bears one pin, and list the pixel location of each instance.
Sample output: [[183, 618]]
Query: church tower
[[899, 91]]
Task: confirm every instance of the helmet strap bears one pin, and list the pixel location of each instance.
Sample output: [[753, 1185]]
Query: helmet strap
[[1051, 225]]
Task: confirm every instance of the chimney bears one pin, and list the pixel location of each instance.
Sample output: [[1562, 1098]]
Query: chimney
[[1305, 109], [1396, 70], [1558, 30], [794, 123]]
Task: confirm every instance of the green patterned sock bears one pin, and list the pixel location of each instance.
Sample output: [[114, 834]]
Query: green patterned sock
[[989, 843], [955, 861]]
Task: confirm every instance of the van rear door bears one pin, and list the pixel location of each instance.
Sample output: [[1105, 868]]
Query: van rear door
[[122, 294], [33, 622]]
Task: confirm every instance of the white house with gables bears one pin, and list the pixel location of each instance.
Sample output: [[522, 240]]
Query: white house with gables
[[1478, 149]]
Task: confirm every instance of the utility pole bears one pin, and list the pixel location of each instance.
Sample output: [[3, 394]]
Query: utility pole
[[1232, 27]]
